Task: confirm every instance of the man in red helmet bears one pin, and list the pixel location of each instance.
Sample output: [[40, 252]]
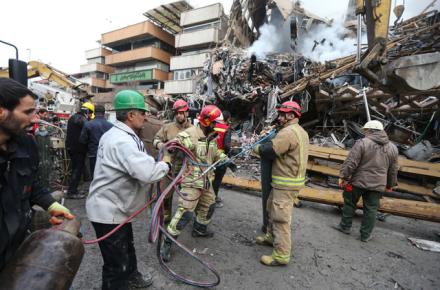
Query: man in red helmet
[[196, 188], [166, 133], [288, 151]]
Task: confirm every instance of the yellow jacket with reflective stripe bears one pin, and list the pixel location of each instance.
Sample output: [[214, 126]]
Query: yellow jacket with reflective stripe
[[291, 146], [205, 151]]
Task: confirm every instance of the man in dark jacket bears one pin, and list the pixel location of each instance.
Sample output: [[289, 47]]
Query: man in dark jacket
[[76, 150], [92, 132], [224, 135], [370, 169], [19, 185]]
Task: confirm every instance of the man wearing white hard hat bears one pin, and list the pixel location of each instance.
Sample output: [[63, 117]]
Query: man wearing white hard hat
[[369, 170]]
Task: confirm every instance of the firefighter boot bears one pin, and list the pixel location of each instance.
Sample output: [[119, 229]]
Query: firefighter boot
[[265, 240], [201, 230], [165, 250], [270, 261]]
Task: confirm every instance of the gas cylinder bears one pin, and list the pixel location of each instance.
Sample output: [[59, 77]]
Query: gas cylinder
[[47, 259]]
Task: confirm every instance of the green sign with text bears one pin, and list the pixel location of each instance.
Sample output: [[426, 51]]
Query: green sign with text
[[135, 76]]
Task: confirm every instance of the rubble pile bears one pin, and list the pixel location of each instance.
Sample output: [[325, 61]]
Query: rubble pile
[[332, 97], [246, 86], [331, 94]]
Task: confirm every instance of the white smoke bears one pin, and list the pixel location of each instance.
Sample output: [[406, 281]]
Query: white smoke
[[274, 37], [331, 42]]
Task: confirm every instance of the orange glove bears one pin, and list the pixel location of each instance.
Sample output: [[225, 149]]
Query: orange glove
[[56, 210]]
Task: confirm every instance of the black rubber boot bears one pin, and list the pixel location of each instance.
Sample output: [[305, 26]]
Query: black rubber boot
[[200, 230], [139, 281], [165, 250]]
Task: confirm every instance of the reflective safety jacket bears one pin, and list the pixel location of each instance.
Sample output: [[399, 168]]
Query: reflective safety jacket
[[291, 148], [206, 152]]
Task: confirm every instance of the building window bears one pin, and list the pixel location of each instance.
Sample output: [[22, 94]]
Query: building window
[[185, 74]]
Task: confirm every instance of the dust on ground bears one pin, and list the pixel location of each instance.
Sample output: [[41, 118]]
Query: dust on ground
[[322, 258]]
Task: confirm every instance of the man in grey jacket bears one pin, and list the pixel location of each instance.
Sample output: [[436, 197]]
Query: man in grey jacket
[[119, 188], [369, 170]]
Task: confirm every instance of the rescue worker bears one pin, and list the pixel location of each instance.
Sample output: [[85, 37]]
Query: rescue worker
[[77, 150], [224, 144], [266, 183], [122, 174], [148, 131], [166, 133], [20, 188], [288, 151], [91, 134], [370, 169], [197, 190], [42, 114]]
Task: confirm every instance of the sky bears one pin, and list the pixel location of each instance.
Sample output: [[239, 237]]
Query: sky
[[59, 32]]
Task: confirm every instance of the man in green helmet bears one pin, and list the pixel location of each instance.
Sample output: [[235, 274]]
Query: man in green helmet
[[123, 173]]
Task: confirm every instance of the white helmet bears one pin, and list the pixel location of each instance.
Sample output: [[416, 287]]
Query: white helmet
[[376, 125]]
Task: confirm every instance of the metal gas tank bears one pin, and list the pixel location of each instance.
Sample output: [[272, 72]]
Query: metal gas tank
[[47, 260]]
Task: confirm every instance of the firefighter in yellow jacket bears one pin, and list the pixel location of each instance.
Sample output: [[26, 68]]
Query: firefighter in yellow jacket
[[289, 152], [166, 133], [199, 197]]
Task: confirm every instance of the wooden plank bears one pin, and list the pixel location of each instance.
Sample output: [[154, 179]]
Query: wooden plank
[[412, 209], [403, 186], [407, 208], [405, 165]]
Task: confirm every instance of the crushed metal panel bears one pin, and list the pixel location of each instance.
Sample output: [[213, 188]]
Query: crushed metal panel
[[167, 16]]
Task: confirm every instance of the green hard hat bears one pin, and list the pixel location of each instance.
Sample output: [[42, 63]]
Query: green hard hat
[[129, 99]]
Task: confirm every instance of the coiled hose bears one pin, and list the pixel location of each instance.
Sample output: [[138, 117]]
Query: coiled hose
[[156, 223]]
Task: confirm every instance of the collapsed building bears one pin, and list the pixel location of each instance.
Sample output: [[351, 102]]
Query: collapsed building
[[330, 92], [313, 61]]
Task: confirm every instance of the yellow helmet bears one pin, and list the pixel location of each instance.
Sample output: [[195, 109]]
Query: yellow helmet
[[89, 106]]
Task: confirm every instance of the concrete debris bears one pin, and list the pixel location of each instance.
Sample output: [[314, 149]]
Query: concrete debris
[[425, 245]]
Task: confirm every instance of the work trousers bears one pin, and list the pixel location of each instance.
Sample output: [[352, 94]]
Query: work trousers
[[195, 200], [92, 161], [77, 161], [371, 200], [266, 187], [168, 201], [219, 173], [279, 207], [118, 254]]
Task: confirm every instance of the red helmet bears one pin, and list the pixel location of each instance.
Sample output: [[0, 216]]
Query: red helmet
[[290, 106], [210, 114], [180, 106]]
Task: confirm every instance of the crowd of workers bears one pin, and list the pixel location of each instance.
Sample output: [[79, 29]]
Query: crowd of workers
[[124, 168]]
